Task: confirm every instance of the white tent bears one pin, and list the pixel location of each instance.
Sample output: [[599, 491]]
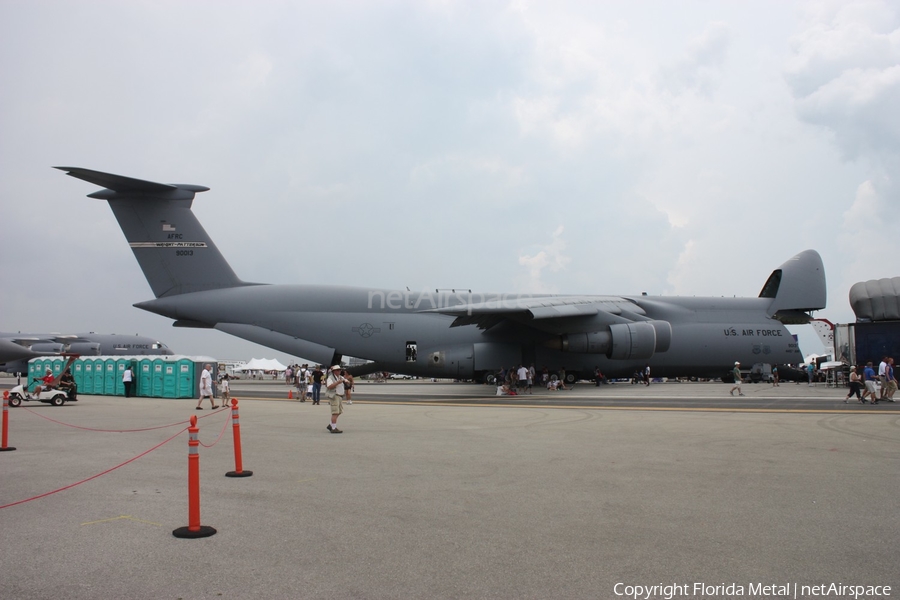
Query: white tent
[[262, 364]]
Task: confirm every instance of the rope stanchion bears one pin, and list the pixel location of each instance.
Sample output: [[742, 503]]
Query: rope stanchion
[[4, 447], [194, 529], [236, 429]]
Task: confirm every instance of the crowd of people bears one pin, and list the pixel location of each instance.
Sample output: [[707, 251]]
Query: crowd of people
[[308, 382], [522, 380], [877, 386]]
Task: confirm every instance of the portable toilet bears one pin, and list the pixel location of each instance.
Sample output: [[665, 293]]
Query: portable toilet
[[34, 372], [109, 376], [144, 377], [170, 379], [98, 376], [157, 387], [56, 364], [186, 372], [78, 373], [122, 363], [87, 374]]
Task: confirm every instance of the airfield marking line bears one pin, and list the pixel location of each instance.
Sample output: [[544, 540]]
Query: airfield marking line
[[642, 408], [126, 517], [834, 411]]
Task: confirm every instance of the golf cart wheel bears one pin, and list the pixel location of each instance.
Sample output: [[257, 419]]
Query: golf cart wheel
[[58, 400], [15, 400]]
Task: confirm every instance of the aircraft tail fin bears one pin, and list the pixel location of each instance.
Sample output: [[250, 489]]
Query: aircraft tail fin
[[796, 288], [172, 248]]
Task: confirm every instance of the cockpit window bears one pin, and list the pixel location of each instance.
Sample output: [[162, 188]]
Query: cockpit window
[[770, 290]]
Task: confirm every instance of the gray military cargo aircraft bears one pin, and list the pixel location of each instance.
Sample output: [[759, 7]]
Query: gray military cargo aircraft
[[16, 349], [451, 333]]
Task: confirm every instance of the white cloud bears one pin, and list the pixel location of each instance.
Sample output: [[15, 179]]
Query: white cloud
[[551, 257], [844, 72], [581, 147]]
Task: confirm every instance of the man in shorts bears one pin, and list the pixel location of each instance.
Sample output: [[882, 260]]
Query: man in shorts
[[334, 384], [870, 378], [738, 379]]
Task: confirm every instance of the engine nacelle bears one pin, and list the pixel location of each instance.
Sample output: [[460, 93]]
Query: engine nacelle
[[47, 347], [622, 341], [84, 348]]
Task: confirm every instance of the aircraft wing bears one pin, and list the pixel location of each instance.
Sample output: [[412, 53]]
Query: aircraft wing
[[491, 311]]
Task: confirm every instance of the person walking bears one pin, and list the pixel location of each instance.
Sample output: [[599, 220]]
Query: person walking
[[225, 388], [334, 391], [317, 375], [522, 375], [890, 381], [870, 378], [302, 379], [206, 390], [854, 386], [348, 385], [738, 379]]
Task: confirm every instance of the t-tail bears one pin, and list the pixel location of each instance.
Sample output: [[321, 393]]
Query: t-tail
[[797, 287], [172, 248]]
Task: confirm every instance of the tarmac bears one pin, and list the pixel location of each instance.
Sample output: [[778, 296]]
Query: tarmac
[[444, 491]]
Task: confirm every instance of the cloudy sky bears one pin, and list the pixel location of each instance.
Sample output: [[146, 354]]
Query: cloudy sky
[[568, 146]]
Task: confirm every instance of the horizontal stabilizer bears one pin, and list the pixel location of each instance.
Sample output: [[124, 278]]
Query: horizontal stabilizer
[[128, 185]]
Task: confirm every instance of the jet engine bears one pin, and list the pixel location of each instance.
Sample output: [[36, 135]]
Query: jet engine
[[622, 341], [84, 348], [47, 347]]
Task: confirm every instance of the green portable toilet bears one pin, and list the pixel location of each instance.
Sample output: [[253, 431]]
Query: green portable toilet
[[78, 373], [57, 364], [158, 369], [34, 367], [144, 378], [186, 379], [87, 373], [109, 376], [170, 378], [98, 376]]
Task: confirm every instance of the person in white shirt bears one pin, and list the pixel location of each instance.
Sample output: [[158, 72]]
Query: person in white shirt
[[334, 391], [206, 390]]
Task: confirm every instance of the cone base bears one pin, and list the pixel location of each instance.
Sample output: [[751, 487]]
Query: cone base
[[186, 533], [236, 474]]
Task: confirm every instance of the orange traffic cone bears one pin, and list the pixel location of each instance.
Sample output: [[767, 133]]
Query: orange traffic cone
[[290, 394]]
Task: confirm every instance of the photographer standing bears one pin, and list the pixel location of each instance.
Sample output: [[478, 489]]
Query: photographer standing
[[334, 391]]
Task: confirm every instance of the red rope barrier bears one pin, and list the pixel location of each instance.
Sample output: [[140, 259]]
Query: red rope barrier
[[221, 433], [118, 430], [98, 474]]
